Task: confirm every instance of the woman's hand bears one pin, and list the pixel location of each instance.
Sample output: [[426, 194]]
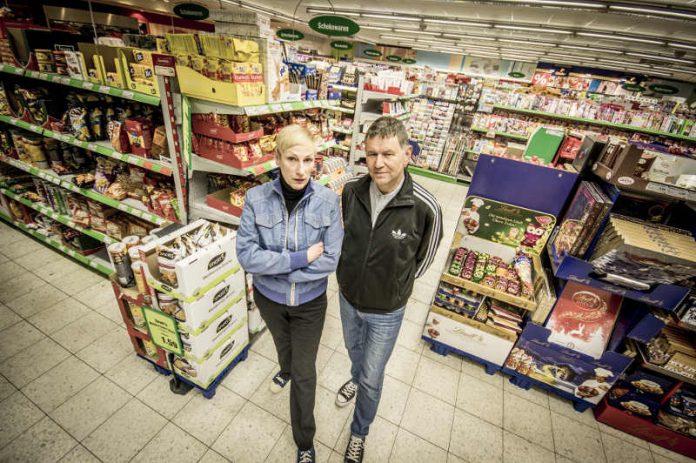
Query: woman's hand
[[315, 251]]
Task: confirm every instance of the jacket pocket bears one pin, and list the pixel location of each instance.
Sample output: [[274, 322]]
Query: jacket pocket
[[270, 228], [315, 226]]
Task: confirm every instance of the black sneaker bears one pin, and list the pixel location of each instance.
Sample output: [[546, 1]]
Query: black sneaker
[[346, 394], [355, 450], [306, 456], [278, 383]]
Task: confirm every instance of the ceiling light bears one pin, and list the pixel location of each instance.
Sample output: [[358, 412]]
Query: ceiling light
[[397, 37], [520, 52], [375, 28], [565, 4], [456, 22], [409, 31], [687, 71], [620, 38], [254, 8], [661, 74], [483, 55], [531, 29], [330, 11], [528, 42], [478, 47], [586, 58], [660, 58], [654, 11], [624, 63], [682, 45], [453, 50], [468, 37], [601, 50], [436, 42], [389, 16]]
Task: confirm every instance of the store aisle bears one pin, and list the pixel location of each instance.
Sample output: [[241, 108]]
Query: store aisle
[[72, 390]]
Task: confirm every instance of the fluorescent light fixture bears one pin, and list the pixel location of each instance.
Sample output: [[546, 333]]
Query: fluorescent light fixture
[[453, 50], [565, 4], [654, 11], [620, 38], [687, 71], [624, 63], [456, 22], [661, 74], [478, 47], [532, 29], [583, 48], [437, 42], [389, 16], [528, 42], [682, 45], [520, 52], [375, 28], [570, 58], [330, 11], [660, 58], [254, 8], [410, 31], [468, 37]]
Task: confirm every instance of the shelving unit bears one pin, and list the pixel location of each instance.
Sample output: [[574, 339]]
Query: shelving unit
[[501, 134]]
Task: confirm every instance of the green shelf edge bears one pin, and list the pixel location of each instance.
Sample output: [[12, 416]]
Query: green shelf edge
[[629, 128], [501, 134], [432, 174], [86, 260]]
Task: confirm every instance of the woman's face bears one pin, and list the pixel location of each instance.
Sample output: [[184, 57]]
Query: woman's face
[[297, 164]]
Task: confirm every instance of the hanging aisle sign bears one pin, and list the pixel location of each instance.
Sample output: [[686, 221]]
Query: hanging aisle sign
[[516, 74], [341, 45], [337, 26], [164, 331], [633, 87], [664, 89], [191, 11], [394, 58], [408, 61], [289, 34], [372, 52]]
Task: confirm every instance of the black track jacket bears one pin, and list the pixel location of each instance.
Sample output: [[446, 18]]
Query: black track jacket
[[378, 266]]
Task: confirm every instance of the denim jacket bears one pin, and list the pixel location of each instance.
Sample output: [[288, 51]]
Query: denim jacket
[[272, 245]]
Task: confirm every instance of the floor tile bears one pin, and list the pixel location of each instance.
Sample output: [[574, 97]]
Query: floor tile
[[252, 428], [158, 396], [263, 345], [109, 309], [332, 335], [428, 417], [393, 402], [423, 292], [83, 331], [6, 388], [211, 456], [4, 258], [59, 315], [480, 399], [477, 370], [249, 375], [205, 419], [323, 356], [127, 431], [56, 269], [517, 418], [60, 383], [452, 360], [278, 404], [44, 441], [604, 429], [452, 458], [519, 450], [336, 372], [416, 311], [33, 361], [409, 447], [107, 351], [39, 258], [8, 317], [618, 451], [18, 414], [20, 248], [436, 378], [96, 295], [171, 444], [565, 407], [576, 441], [330, 419], [378, 445], [18, 286], [37, 300], [79, 454], [538, 396], [89, 408], [467, 430], [663, 452], [133, 374], [73, 283], [410, 336], [17, 338], [402, 364], [333, 308], [285, 449]]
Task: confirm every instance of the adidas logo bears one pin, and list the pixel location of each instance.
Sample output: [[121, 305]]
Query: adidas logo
[[398, 234]]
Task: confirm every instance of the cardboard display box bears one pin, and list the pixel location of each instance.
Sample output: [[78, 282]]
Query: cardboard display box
[[139, 70], [197, 85]]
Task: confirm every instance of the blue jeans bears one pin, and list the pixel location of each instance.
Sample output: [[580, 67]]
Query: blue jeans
[[370, 340]]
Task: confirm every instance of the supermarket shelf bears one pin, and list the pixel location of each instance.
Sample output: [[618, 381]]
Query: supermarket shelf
[[464, 178], [432, 174], [359, 154], [262, 168], [344, 87], [85, 85], [95, 261], [204, 107], [129, 206], [65, 220], [597, 122], [342, 130], [372, 95], [11, 69], [368, 116], [200, 210], [657, 369], [206, 165], [103, 148], [360, 170], [501, 134], [520, 302], [343, 110]]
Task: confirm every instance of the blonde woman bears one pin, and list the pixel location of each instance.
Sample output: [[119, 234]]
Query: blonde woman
[[290, 239]]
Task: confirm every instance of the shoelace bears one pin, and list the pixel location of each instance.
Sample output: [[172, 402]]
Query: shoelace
[[350, 389], [306, 456], [354, 449]]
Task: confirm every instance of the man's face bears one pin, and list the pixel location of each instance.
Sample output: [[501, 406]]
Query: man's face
[[296, 165], [386, 161]]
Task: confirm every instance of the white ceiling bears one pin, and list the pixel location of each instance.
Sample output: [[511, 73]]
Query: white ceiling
[[666, 21]]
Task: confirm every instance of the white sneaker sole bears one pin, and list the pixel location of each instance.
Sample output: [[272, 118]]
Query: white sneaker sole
[[341, 403]]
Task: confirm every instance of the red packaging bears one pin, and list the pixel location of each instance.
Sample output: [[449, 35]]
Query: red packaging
[[140, 136]]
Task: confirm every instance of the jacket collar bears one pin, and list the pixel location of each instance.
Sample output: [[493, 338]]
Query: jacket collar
[[278, 188], [403, 198]]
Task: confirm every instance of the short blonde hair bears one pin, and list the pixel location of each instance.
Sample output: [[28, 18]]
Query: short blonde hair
[[293, 135]]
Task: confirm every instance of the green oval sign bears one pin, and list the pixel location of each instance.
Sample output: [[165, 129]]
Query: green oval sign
[[408, 61], [393, 58], [289, 34], [664, 89], [341, 45], [372, 52], [516, 74], [334, 25], [633, 87], [191, 11]]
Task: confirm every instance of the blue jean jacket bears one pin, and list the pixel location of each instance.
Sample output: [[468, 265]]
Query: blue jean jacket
[[272, 245]]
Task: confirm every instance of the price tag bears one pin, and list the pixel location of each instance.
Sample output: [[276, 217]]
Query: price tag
[[65, 80], [87, 85], [490, 134], [18, 70], [276, 108], [104, 89], [163, 329], [34, 74], [127, 94], [92, 147]]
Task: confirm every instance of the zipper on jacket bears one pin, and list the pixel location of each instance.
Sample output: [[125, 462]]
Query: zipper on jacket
[[292, 285]]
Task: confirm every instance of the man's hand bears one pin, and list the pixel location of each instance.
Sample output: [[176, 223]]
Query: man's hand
[[315, 251]]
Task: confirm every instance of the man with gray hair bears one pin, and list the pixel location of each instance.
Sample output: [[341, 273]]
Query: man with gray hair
[[393, 227]]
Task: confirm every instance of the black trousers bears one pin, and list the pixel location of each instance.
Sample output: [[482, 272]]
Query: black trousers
[[296, 333]]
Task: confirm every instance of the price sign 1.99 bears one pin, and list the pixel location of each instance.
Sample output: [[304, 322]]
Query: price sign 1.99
[[164, 331]]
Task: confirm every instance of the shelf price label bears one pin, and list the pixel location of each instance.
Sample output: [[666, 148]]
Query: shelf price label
[[87, 85], [163, 330], [127, 94], [104, 89]]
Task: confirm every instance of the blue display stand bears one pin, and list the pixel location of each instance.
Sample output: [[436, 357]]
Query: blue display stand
[[444, 349], [526, 383]]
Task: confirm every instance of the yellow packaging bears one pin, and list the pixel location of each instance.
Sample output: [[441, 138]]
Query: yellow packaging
[[198, 63], [183, 59], [212, 68], [142, 57]]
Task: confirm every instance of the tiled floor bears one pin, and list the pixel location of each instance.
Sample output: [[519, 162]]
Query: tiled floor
[[71, 389]]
